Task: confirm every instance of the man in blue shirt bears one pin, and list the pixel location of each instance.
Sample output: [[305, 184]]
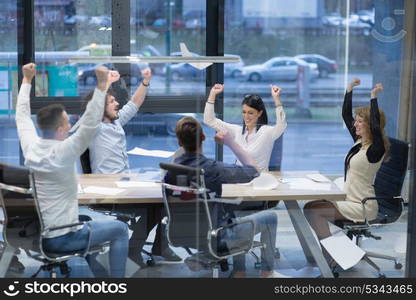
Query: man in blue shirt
[[190, 137], [108, 155]]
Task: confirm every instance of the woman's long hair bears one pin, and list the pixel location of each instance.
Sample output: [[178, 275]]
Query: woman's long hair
[[364, 112], [255, 101]]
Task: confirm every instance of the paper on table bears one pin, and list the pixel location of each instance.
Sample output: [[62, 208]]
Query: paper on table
[[80, 190], [318, 177], [265, 181], [307, 184], [141, 184], [157, 153], [343, 250], [102, 190]]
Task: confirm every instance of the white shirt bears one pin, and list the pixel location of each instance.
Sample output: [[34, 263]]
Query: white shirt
[[108, 151], [53, 161], [259, 144]]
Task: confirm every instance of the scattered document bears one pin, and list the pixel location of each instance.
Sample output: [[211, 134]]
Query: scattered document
[[136, 184], [308, 184], [343, 250], [318, 177], [102, 190], [265, 181], [80, 189], [156, 153]]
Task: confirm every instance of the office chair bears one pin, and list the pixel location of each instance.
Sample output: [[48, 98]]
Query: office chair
[[387, 186], [23, 226], [126, 215], [192, 221]]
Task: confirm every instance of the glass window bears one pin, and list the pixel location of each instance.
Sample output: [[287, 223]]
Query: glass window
[[157, 29], [64, 29], [157, 132], [9, 150]]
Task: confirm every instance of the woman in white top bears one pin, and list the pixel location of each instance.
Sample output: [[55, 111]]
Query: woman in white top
[[370, 149], [255, 136]]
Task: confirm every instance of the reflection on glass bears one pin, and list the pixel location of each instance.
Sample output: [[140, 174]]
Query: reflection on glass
[[157, 30], [64, 29], [302, 48]]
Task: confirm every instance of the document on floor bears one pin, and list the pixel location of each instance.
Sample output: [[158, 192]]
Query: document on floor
[[102, 190], [156, 153], [343, 250]]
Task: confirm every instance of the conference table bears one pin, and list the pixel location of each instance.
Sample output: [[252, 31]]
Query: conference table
[[293, 186]]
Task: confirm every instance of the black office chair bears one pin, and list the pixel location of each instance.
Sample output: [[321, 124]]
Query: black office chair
[[122, 213], [387, 186], [23, 226], [192, 221]]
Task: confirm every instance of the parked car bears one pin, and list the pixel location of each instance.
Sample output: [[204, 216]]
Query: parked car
[[326, 66], [86, 72], [333, 19], [278, 68], [233, 70], [184, 71]]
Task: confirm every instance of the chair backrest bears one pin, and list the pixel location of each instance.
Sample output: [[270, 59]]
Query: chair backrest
[[86, 162], [275, 163], [21, 227], [389, 181], [190, 216]]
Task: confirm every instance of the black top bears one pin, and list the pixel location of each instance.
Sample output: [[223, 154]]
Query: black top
[[217, 173], [376, 150]]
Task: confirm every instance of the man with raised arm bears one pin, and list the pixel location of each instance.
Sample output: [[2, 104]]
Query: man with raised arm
[[52, 157]]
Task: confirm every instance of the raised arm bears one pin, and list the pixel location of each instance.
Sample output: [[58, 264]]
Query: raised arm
[[25, 128], [376, 150], [140, 93], [91, 119], [225, 137], [209, 113], [281, 124], [347, 108], [130, 109]]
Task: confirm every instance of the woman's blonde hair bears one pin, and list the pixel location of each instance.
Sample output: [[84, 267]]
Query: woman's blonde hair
[[364, 112]]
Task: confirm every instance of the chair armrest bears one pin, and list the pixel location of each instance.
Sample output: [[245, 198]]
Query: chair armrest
[[395, 198], [232, 246]]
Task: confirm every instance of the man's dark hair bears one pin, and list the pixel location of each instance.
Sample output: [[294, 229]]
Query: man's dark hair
[[49, 118], [189, 133], [87, 98]]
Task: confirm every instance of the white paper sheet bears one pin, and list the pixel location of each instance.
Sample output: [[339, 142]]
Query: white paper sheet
[[138, 184], [343, 250], [318, 177], [80, 189], [102, 190], [307, 184], [265, 181], [156, 153]]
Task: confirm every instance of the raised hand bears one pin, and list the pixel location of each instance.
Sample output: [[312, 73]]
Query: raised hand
[[377, 88], [275, 90], [215, 90], [113, 76], [354, 82], [147, 75], [29, 71]]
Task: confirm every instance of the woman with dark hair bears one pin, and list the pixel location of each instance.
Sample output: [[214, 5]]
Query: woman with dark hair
[[370, 149], [255, 136]]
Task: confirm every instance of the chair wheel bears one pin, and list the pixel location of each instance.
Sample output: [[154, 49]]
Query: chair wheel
[[336, 274], [381, 275], [150, 262], [257, 265], [398, 266]]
